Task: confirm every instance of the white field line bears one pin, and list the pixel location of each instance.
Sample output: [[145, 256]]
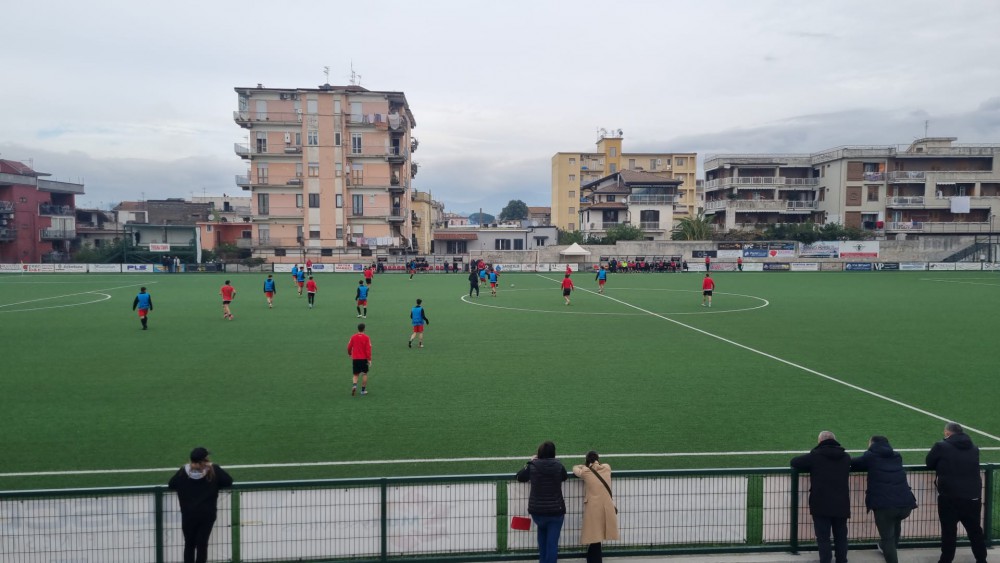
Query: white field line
[[75, 294], [433, 460], [790, 363], [471, 301], [961, 282], [104, 298]]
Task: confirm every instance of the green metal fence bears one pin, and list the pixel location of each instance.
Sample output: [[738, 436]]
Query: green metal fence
[[448, 518]]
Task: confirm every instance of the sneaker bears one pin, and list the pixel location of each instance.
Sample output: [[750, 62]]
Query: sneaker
[[359, 316], [363, 392], [409, 344], [421, 345], [364, 316], [354, 390]]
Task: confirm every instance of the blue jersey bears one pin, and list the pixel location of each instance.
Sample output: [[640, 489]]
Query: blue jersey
[[143, 301], [602, 274], [417, 316], [362, 293], [295, 271], [493, 277], [269, 285], [482, 273], [300, 276]]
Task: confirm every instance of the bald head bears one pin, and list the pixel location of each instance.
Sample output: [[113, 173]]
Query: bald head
[[826, 435]]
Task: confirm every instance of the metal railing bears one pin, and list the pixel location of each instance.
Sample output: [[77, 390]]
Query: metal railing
[[50, 234], [762, 181], [50, 209], [907, 175], [874, 176], [649, 225], [651, 199], [940, 227], [760, 205], [374, 212], [6, 206], [270, 116], [902, 201], [7, 235], [447, 518]]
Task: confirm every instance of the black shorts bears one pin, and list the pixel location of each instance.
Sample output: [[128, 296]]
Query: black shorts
[[360, 366], [566, 293], [707, 292], [224, 302]]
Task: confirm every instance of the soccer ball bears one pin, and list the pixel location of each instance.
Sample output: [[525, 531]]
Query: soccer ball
[[512, 285]]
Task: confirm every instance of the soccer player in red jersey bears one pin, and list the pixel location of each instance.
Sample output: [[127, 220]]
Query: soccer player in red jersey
[[567, 287], [227, 292], [707, 286], [359, 348], [311, 291], [708, 263], [369, 274]]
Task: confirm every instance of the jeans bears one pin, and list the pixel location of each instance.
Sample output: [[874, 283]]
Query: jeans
[[889, 522], [823, 525], [196, 531], [549, 528], [951, 511]]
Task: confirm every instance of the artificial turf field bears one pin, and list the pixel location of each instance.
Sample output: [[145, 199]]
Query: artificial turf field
[[643, 370]]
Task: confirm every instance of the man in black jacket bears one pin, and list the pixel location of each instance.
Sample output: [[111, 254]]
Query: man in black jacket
[[473, 281], [829, 468], [889, 495], [197, 485], [960, 489]]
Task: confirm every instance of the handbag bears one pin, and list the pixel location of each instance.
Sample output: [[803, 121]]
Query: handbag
[[606, 486], [520, 523]]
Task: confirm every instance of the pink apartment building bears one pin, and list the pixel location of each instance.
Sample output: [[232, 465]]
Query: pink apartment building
[[37, 215], [330, 171]]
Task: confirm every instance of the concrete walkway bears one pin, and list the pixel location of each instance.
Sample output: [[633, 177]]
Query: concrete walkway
[[964, 555]]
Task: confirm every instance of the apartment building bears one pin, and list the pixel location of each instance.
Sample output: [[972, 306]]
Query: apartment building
[[329, 168], [629, 197], [37, 215], [931, 186], [571, 170], [426, 215]]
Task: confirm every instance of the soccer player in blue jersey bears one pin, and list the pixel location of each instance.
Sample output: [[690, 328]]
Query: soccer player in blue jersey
[[419, 318], [493, 281], [602, 278], [362, 298], [144, 302], [300, 279], [270, 288]]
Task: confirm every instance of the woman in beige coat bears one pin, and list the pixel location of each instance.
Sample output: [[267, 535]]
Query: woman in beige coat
[[600, 518]]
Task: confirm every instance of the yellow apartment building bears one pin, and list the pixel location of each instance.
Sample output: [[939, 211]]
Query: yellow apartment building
[[570, 170], [329, 170], [425, 215]]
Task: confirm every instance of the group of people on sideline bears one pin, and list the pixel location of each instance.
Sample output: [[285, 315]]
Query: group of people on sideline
[[955, 461]]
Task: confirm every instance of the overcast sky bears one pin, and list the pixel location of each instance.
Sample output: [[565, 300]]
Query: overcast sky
[[136, 98]]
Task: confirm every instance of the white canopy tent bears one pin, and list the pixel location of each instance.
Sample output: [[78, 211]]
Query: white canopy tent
[[575, 250]]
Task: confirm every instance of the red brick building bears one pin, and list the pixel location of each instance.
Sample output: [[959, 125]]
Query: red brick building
[[37, 216]]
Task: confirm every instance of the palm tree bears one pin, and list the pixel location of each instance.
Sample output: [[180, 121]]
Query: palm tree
[[693, 228]]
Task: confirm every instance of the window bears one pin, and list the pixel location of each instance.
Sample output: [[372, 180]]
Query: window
[[540, 242], [631, 163], [680, 161], [298, 139], [298, 233], [871, 167], [263, 201], [358, 204], [298, 200], [314, 170], [312, 107], [502, 244], [326, 252], [572, 194], [279, 251], [518, 244], [610, 198], [355, 143], [614, 151], [262, 173], [246, 234], [572, 210], [314, 235], [298, 169], [872, 193], [340, 233], [261, 142], [340, 169], [572, 226], [264, 234], [336, 139], [572, 177], [572, 162], [340, 202], [455, 247], [312, 138], [652, 164], [313, 201], [336, 106], [614, 168]]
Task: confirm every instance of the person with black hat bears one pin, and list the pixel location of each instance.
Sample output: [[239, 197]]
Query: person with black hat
[[197, 484]]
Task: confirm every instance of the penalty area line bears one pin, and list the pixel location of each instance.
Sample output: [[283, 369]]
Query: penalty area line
[[75, 294], [790, 363], [363, 462]]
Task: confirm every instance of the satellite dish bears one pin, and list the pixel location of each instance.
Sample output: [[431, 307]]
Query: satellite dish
[[619, 132]]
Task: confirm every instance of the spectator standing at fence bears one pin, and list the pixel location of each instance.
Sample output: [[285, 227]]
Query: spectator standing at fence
[[889, 495], [600, 517], [473, 282], [270, 288], [197, 485], [708, 263], [177, 264], [545, 500], [829, 468], [144, 302], [955, 460]]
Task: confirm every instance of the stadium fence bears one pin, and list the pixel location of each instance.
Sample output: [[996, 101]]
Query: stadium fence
[[446, 518]]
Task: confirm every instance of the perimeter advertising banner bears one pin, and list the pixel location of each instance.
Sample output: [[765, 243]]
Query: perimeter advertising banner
[[820, 249], [159, 247], [137, 268], [755, 250], [730, 249], [105, 268], [859, 249], [887, 266], [941, 266], [858, 267], [913, 266], [13, 268], [777, 266], [805, 266], [781, 250]]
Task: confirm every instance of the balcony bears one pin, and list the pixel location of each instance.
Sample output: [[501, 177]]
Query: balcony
[[397, 155], [49, 209], [6, 206], [8, 235], [241, 150], [907, 201], [243, 181], [874, 176], [58, 234], [651, 199], [273, 212], [907, 176], [370, 151], [938, 228], [761, 205], [393, 214], [248, 118], [649, 225], [244, 243], [761, 182]]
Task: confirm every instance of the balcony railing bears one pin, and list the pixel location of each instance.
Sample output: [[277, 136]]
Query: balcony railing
[[242, 180], [394, 213], [649, 225], [907, 201], [651, 199], [6, 206], [58, 234], [760, 205], [874, 176], [937, 227], [241, 150], [760, 181], [282, 211], [7, 235], [49, 209], [907, 176], [269, 116]]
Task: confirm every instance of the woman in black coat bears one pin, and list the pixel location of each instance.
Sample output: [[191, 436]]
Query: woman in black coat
[[197, 485], [545, 501]]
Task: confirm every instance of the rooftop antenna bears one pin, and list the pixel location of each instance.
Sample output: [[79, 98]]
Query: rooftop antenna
[[927, 123], [326, 72], [355, 77]]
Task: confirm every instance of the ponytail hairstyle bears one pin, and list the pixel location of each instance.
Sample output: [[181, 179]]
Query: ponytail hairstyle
[[592, 457]]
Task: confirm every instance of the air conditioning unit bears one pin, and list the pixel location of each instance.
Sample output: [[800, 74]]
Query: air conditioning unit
[[288, 138], [283, 96]]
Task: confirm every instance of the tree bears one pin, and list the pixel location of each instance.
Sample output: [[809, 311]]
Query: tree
[[569, 237], [621, 231], [481, 218], [515, 210], [693, 228]]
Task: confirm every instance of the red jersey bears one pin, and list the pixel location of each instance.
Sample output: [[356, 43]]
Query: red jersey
[[311, 286], [569, 270], [707, 284], [360, 347], [309, 264], [227, 292], [368, 273], [567, 283]]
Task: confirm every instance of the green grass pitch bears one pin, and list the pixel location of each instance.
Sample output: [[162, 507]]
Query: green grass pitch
[[644, 369]]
